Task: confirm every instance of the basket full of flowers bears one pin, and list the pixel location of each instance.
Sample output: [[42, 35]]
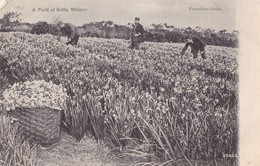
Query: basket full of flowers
[[37, 106]]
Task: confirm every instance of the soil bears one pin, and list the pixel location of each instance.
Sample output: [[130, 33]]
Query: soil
[[69, 152]]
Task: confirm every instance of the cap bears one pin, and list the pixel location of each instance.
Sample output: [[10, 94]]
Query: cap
[[137, 19], [59, 23]]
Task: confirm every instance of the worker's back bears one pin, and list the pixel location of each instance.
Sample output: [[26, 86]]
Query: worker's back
[[69, 29], [197, 42]]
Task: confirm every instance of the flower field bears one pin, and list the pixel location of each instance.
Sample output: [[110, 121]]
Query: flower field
[[13, 149], [150, 102]]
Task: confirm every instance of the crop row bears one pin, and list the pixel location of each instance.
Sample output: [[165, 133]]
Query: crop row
[[151, 102]]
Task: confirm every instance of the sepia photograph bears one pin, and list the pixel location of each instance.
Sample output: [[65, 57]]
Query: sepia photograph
[[119, 83]]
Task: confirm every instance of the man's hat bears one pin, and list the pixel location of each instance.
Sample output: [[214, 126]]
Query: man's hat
[[60, 23], [137, 19]]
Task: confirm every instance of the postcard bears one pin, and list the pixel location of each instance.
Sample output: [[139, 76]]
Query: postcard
[[125, 82]]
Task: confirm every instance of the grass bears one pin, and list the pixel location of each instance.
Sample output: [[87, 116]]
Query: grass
[[14, 150]]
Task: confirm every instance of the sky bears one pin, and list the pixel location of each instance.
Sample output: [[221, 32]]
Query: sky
[[172, 12]]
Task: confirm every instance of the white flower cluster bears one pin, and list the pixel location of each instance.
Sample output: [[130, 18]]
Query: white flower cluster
[[34, 94]]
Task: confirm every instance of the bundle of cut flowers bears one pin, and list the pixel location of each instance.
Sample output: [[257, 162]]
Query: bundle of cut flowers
[[34, 94]]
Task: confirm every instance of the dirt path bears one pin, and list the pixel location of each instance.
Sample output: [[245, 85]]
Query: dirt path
[[87, 152], [69, 152]]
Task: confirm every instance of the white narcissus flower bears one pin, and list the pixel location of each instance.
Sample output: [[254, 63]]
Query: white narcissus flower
[[34, 94]]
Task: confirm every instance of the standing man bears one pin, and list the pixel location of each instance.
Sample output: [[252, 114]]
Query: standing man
[[196, 45], [71, 31], [137, 35]]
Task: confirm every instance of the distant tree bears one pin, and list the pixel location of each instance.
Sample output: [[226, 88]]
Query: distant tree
[[130, 25], [109, 23], [157, 26], [108, 27], [44, 28], [56, 19], [236, 32], [198, 29], [189, 28], [170, 27], [222, 32], [10, 17]]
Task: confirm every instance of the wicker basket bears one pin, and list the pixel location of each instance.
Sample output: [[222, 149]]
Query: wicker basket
[[40, 124]]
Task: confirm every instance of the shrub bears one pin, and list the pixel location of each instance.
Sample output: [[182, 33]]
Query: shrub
[[44, 28]]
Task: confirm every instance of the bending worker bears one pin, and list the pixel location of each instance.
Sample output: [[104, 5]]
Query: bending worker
[[197, 45], [71, 31]]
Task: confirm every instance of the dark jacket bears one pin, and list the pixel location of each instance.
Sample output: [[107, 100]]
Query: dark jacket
[[138, 28], [70, 30], [196, 44]]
